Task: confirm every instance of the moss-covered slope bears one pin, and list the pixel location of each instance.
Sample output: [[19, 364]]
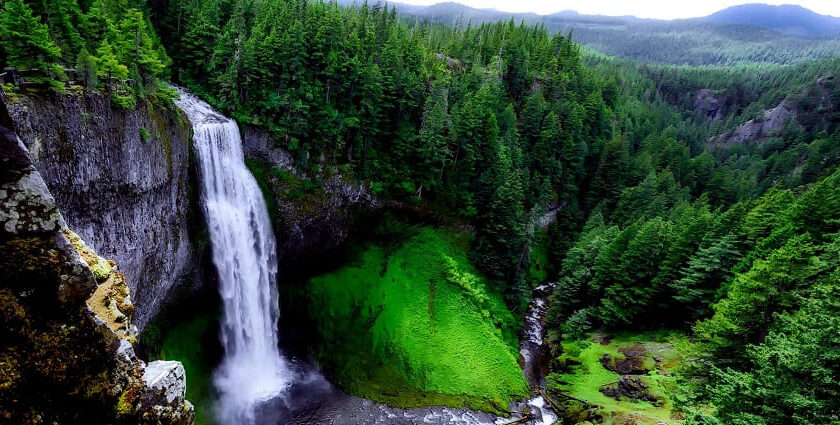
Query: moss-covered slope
[[413, 324], [618, 379]]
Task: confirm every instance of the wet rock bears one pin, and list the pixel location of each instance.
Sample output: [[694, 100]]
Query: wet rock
[[60, 362], [126, 196], [630, 387]]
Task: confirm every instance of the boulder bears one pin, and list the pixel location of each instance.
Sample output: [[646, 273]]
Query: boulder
[[166, 379], [630, 387], [633, 361]]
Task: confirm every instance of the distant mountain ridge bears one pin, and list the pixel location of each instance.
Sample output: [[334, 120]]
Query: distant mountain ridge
[[787, 19], [734, 36]]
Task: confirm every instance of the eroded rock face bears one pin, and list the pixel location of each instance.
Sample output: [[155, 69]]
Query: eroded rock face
[[60, 362], [709, 103], [815, 108], [758, 129], [319, 220], [121, 181]]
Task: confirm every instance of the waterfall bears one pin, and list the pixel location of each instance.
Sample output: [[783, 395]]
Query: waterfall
[[252, 370]]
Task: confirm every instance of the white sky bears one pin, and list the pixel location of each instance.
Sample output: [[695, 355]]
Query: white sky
[[659, 9]]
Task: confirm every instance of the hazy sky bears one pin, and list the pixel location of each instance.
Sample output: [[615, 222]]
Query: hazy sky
[[660, 9]]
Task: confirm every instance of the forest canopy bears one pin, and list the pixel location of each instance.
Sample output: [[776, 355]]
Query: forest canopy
[[664, 218]]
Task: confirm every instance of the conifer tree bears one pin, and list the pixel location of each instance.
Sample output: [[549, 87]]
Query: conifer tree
[[108, 64], [86, 69], [27, 43]]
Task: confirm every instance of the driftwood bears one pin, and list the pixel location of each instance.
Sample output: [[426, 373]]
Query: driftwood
[[520, 420]]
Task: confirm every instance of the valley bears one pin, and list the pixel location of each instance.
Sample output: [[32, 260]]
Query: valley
[[258, 212]]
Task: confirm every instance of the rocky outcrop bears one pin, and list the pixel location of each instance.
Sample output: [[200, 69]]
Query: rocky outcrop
[[309, 218], [758, 129], [66, 354], [121, 179], [709, 104], [630, 387], [815, 108], [634, 360]]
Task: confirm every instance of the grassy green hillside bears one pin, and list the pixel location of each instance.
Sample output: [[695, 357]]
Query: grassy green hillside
[[582, 381], [413, 324]]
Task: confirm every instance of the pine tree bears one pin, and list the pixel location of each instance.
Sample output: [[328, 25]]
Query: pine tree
[[108, 64], [86, 69], [27, 43], [707, 271]]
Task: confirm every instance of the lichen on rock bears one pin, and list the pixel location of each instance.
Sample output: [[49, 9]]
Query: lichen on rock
[[131, 211], [63, 359]]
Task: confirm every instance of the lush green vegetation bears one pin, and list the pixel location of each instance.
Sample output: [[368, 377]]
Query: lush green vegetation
[[581, 374], [664, 220], [739, 254], [412, 323], [359, 89], [693, 42], [105, 44]]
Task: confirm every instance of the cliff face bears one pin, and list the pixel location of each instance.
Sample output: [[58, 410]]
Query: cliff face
[[66, 354], [815, 108], [121, 180], [309, 219]]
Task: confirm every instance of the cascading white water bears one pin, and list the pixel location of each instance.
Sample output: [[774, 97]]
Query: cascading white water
[[243, 245]]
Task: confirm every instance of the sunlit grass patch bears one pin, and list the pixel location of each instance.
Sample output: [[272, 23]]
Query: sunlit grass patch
[[415, 324]]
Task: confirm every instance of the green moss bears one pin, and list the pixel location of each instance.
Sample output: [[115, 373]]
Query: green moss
[[414, 324], [167, 146], [184, 342], [101, 269], [585, 376], [125, 405], [538, 271], [307, 196], [12, 95], [260, 170]]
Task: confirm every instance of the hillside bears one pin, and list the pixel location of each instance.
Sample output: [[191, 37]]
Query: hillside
[[716, 40], [354, 217], [787, 19]]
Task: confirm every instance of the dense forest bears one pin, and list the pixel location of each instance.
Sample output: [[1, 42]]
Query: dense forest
[[662, 222], [743, 37]]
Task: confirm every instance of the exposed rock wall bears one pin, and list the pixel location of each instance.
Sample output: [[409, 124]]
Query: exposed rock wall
[[815, 108], [121, 179], [758, 130], [311, 220], [709, 103], [61, 360]]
